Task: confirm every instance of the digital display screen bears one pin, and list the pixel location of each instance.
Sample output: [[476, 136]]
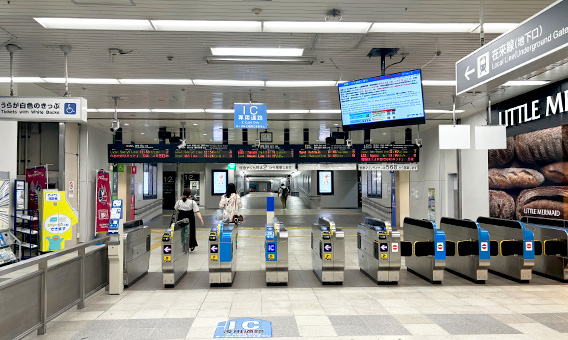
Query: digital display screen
[[270, 247], [327, 153], [201, 153], [390, 153], [390, 100], [219, 185], [325, 182], [274, 153], [138, 153]]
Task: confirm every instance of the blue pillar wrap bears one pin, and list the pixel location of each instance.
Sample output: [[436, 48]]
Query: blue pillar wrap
[[270, 204]]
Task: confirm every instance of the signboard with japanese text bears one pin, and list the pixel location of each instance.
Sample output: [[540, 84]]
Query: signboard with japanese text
[[50, 109], [389, 167], [273, 152], [197, 153], [390, 153], [57, 219], [251, 116], [536, 43], [103, 201], [266, 167]]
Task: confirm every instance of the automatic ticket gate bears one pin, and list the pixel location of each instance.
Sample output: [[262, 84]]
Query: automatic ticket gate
[[276, 253], [429, 248], [328, 251], [379, 250], [553, 236], [174, 259], [516, 247], [473, 248], [136, 240], [223, 253]]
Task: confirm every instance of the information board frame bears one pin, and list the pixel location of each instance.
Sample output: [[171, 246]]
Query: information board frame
[[331, 181]]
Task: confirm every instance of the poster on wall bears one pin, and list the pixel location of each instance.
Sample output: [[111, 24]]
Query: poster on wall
[[219, 186], [432, 204], [37, 181], [57, 219], [103, 201], [325, 182], [530, 177], [4, 204]]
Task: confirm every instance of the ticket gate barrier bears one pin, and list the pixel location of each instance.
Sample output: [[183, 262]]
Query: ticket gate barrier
[[137, 239], [515, 257], [328, 251], [429, 249], [553, 236], [174, 259], [473, 247], [378, 247], [223, 253], [276, 253]]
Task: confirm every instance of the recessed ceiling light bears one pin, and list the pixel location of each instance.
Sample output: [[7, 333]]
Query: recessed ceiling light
[[142, 133], [325, 111], [102, 81], [260, 60], [205, 134], [336, 124], [156, 81], [526, 83], [195, 124], [207, 26], [407, 27], [22, 80], [125, 110], [287, 111], [301, 83], [220, 110], [178, 110], [257, 52], [126, 124], [211, 82], [95, 24], [442, 111], [92, 110], [315, 27]]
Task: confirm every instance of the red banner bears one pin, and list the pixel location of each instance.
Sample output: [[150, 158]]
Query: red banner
[[37, 181], [103, 201]]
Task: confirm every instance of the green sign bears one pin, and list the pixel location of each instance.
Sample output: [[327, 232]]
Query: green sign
[[232, 166], [121, 168]]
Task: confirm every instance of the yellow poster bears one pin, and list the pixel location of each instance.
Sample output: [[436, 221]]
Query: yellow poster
[[57, 220]]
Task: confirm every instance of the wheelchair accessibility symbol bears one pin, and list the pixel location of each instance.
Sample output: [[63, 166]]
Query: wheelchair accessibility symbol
[[70, 108]]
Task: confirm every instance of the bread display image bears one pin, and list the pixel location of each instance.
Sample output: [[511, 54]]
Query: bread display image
[[502, 157], [511, 178], [501, 204], [543, 146], [549, 202], [556, 172]]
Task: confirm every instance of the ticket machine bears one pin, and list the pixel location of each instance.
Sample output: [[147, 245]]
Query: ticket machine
[[328, 251], [276, 253], [378, 247]]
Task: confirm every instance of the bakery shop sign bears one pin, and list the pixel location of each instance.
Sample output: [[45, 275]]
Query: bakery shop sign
[[528, 112]]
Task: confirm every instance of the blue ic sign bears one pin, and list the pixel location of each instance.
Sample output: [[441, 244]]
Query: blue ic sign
[[271, 247], [244, 328], [250, 116], [70, 108]]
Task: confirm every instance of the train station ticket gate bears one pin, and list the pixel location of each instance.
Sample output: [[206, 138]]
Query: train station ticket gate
[[378, 247], [328, 251], [428, 246], [516, 255], [473, 247], [223, 253], [276, 253], [553, 236], [137, 239], [174, 259]]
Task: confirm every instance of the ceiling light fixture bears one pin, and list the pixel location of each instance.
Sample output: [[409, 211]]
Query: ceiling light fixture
[[257, 52], [526, 83], [22, 80], [211, 82], [302, 83], [125, 110], [442, 111], [406, 27], [195, 124], [494, 27], [220, 110], [207, 26], [92, 110], [325, 111], [287, 111], [260, 60], [101, 81], [178, 110], [316, 27], [156, 81], [95, 24]]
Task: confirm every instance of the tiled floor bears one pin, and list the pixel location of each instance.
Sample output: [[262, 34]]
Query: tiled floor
[[359, 309]]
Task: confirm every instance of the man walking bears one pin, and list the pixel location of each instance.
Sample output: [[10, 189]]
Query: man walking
[[283, 194]]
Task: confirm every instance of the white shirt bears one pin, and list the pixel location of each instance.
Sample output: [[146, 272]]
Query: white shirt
[[231, 206], [187, 205]]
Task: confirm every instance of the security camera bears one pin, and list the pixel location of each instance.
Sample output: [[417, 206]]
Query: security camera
[[182, 144], [257, 143], [349, 143], [418, 142], [115, 125]]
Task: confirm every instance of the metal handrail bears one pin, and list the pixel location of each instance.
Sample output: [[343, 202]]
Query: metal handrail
[[50, 256], [377, 205]]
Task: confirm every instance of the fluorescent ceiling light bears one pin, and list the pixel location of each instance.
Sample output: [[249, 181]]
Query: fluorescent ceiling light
[[220, 110], [259, 60], [207, 26], [210, 82], [178, 110], [307, 83], [95, 24], [92, 110], [442, 111], [22, 80], [257, 52], [156, 81], [125, 110], [287, 111], [439, 82], [103, 81], [315, 27], [405, 27], [495, 27], [325, 111], [526, 83]]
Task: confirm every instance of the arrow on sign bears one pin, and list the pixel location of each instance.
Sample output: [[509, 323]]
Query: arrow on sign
[[383, 247], [468, 72], [213, 249], [327, 247], [167, 249]]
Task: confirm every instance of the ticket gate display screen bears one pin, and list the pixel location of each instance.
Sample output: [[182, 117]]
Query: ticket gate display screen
[[270, 247]]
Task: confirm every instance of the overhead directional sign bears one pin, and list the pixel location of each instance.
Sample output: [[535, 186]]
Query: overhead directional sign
[[537, 42], [50, 109], [250, 116]]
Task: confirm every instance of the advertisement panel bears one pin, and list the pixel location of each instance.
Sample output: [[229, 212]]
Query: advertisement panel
[[103, 201], [37, 181], [219, 186], [325, 182], [57, 220]]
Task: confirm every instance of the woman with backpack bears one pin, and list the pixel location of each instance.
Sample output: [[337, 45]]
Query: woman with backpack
[[188, 208], [231, 203]]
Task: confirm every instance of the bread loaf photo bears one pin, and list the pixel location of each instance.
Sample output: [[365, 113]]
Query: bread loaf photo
[[551, 202], [556, 172], [501, 204], [543, 146], [502, 157], [511, 178]]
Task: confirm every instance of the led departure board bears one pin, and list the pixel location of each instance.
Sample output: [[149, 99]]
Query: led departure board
[[265, 153], [138, 153], [203, 153], [391, 153], [327, 153]]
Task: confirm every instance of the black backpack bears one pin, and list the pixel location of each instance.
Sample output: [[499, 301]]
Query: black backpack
[[284, 192]]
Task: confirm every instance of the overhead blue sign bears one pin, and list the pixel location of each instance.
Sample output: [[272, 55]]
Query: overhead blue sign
[[244, 328], [250, 116]]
